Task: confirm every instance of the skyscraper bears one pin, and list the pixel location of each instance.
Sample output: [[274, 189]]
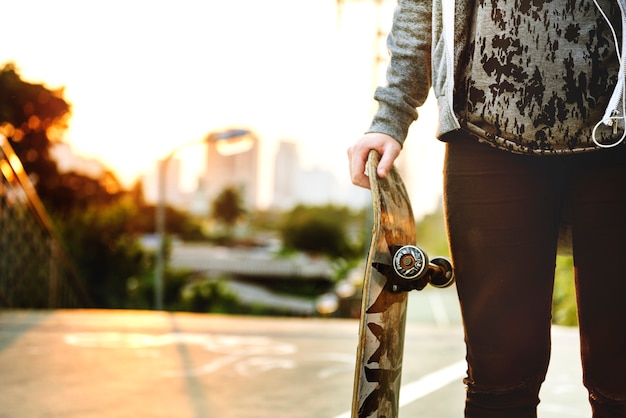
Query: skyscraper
[[286, 173], [239, 170]]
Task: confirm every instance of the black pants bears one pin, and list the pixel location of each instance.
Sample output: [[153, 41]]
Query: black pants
[[503, 213]]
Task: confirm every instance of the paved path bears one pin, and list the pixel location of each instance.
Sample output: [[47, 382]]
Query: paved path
[[92, 363]]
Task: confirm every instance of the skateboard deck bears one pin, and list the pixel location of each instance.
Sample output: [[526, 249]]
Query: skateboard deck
[[394, 266]]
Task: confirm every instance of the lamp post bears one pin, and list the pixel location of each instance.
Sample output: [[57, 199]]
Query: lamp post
[[231, 141]]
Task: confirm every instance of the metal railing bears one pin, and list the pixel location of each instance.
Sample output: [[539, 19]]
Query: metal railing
[[35, 271]]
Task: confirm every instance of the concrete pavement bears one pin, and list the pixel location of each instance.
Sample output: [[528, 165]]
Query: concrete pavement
[[94, 363]]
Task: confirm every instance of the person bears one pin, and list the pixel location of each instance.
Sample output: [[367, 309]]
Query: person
[[530, 97]]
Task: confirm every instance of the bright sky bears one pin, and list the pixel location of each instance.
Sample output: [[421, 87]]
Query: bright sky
[[144, 76]]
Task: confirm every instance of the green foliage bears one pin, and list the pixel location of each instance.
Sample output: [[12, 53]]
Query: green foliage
[[118, 273], [176, 223], [34, 118], [564, 299], [73, 191], [31, 114], [323, 230], [105, 253], [140, 289], [208, 295], [228, 206], [98, 221], [432, 236], [265, 220]]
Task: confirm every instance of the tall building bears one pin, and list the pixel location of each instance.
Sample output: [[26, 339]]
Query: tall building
[[286, 171], [239, 170], [293, 184]]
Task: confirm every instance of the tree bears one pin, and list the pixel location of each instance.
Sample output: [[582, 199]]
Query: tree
[[322, 230], [106, 252], [93, 219], [228, 207], [33, 118]]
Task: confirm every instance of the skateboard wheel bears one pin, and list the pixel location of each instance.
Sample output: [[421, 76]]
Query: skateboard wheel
[[444, 277], [410, 262]]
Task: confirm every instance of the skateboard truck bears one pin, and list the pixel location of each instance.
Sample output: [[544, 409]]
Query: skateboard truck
[[410, 269]]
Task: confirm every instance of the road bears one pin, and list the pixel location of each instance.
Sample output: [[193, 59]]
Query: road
[[96, 363]]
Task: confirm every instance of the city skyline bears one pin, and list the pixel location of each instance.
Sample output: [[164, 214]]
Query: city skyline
[[172, 72], [293, 183]]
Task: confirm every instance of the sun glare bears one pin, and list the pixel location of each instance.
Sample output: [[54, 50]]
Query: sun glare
[[145, 77]]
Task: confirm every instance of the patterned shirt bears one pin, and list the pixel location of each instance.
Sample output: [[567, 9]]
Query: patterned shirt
[[540, 74]]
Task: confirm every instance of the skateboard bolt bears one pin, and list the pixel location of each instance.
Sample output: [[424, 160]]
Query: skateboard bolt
[[407, 261]]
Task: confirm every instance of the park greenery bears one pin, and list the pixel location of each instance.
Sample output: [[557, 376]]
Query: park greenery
[[101, 223]]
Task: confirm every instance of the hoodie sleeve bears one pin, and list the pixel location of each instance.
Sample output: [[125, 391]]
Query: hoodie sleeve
[[409, 70]]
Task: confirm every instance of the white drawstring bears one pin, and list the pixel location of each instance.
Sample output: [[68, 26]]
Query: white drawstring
[[612, 116]]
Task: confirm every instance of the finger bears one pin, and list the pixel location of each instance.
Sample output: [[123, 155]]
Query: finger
[[387, 159], [358, 159]]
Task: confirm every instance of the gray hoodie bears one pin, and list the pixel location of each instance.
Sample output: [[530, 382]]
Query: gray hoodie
[[525, 76]]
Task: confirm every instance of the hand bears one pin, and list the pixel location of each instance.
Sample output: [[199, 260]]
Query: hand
[[387, 147]]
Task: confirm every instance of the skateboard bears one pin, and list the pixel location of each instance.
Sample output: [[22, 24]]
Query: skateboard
[[394, 267]]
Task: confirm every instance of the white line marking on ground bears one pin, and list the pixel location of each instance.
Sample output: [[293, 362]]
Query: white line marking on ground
[[430, 383], [415, 390]]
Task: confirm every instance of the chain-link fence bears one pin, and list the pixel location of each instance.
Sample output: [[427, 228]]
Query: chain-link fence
[[35, 272]]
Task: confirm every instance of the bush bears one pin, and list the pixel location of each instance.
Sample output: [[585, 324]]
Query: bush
[[321, 230], [105, 253], [208, 295], [141, 293]]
